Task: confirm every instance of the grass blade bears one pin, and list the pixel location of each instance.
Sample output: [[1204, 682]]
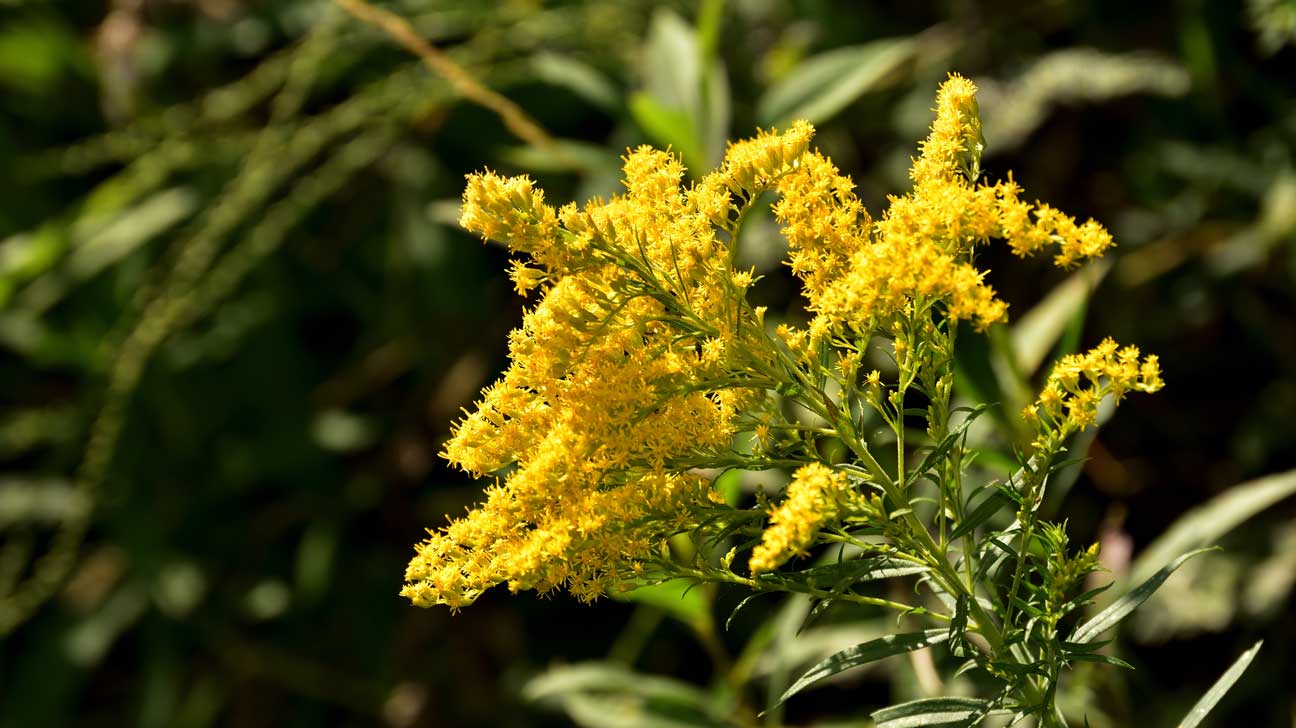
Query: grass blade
[[1220, 687]]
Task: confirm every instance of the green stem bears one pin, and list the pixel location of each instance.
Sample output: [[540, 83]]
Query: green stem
[[757, 585]]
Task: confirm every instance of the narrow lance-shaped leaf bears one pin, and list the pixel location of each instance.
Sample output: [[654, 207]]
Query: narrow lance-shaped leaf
[[576, 76], [867, 652], [826, 83], [946, 444], [982, 513], [932, 712], [1101, 659], [1209, 522], [1127, 603], [1040, 328], [852, 571], [1220, 687], [604, 677], [747, 599]]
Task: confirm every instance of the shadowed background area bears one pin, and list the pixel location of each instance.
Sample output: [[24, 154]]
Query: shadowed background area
[[237, 319]]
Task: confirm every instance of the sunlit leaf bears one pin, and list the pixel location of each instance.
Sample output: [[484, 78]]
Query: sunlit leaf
[[615, 711], [676, 597], [672, 63], [1127, 603], [932, 712], [685, 103], [938, 453], [984, 511], [1221, 686], [1207, 523], [862, 654], [578, 77], [1039, 329], [1012, 110], [851, 571], [605, 676], [822, 85], [564, 155], [667, 127], [738, 607]]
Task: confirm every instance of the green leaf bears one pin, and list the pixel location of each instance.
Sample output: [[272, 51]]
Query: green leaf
[[1220, 687], [1068, 77], [990, 563], [102, 238], [672, 63], [1127, 603], [564, 155], [958, 627], [675, 597], [1082, 600], [977, 377], [824, 84], [946, 444], [578, 77], [849, 572], [614, 711], [982, 513], [1075, 648], [729, 485], [608, 695], [35, 55], [737, 608], [1101, 659], [685, 102], [932, 712], [606, 677], [713, 123], [667, 127], [1207, 523], [1039, 329], [862, 654], [316, 560]]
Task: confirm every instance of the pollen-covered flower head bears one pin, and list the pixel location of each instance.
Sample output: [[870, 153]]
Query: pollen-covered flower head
[[813, 497], [858, 273], [642, 358], [1078, 383], [633, 368]]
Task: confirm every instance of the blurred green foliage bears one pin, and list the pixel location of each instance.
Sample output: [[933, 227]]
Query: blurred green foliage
[[237, 318]]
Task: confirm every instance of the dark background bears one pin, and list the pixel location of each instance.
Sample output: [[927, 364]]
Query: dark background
[[252, 480]]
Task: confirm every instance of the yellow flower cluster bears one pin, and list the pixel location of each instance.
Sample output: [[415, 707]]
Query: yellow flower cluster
[[813, 498], [633, 368], [857, 272], [1070, 398], [642, 358]]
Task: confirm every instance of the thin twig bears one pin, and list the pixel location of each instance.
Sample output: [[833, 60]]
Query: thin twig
[[399, 30]]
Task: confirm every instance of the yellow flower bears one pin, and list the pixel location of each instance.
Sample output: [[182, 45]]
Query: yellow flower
[[625, 375], [858, 273], [642, 359], [1079, 382], [812, 498]]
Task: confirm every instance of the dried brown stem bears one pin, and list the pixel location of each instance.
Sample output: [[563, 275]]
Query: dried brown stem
[[399, 30]]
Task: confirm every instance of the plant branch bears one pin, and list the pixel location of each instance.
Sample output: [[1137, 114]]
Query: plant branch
[[398, 29]]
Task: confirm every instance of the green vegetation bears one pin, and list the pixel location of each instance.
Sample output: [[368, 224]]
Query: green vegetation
[[237, 317]]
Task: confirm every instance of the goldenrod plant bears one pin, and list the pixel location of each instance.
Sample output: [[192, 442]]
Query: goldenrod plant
[[238, 318], [643, 373]]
